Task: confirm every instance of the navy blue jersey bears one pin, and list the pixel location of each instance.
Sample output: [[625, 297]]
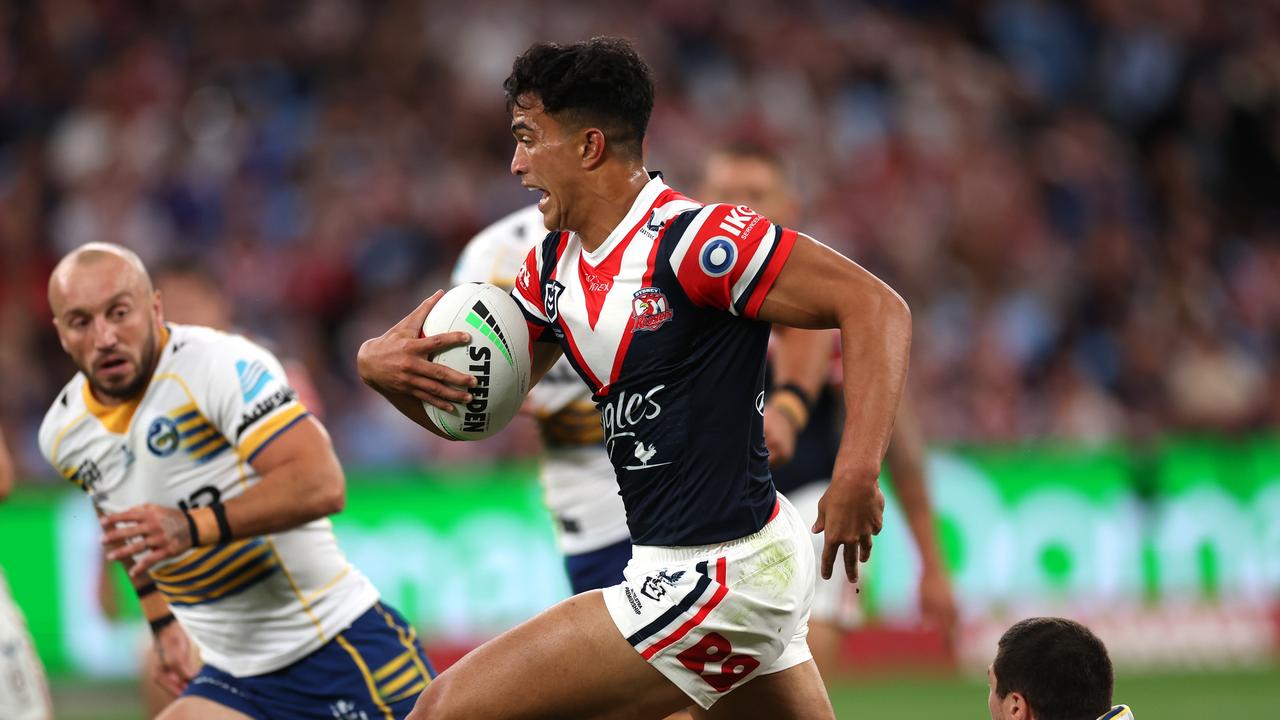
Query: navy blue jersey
[[660, 322]]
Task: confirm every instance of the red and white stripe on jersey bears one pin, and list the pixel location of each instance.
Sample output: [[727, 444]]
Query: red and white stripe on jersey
[[729, 257], [607, 335], [596, 290], [528, 290]]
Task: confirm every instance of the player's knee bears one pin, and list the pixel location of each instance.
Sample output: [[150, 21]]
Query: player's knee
[[436, 702]]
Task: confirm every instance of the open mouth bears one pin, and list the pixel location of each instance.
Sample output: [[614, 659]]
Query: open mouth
[[542, 202], [113, 365]]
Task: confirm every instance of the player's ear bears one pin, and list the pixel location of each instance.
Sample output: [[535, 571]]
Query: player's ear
[[157, 307], [593, 145], [1017, 707]]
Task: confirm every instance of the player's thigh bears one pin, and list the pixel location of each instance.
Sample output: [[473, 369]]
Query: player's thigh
[[796, 692], [198, 708], [568, 662]]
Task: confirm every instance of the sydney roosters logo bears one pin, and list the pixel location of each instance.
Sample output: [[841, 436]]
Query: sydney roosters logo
[[649, 309]]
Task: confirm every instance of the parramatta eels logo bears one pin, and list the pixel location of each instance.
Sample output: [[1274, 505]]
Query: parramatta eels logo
[[162, 437], [650, 309]]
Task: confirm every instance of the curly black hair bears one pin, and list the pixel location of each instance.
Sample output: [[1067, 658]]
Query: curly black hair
[[601, 82]]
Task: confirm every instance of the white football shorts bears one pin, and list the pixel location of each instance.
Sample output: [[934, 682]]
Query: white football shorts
[[712, 617], [835, 601], [23, 693]]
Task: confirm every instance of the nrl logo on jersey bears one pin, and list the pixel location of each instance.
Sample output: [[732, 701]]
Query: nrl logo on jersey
[[649, 309], [551, 299]]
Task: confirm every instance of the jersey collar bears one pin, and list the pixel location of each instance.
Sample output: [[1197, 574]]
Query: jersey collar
[[639, 209]]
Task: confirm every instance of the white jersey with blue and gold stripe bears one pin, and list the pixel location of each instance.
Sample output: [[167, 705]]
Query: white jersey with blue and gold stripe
[[215, 400]]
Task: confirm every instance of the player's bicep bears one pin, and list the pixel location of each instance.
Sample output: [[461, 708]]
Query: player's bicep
[[816, 284], [305, 443]]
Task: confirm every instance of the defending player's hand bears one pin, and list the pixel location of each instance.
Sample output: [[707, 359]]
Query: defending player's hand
[[155, 532], [849, 513], [177, 663], [397, 362]]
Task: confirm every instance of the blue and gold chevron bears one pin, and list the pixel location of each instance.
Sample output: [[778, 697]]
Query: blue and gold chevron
[[209, 574], [197, 436]]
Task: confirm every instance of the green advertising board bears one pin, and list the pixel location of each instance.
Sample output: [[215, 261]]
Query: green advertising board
[[469, 552]]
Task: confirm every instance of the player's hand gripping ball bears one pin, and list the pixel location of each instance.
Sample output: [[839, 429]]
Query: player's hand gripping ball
[[498, 357]]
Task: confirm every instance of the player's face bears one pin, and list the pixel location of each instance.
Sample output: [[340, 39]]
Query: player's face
[[108, 323], [748, 181], [545, 160], [993, 701], [1010, 707]]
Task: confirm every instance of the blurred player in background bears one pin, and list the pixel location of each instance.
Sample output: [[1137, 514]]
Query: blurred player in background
[[193, 295], [1050, 668], [24, 694], [577, 478], [215, 484], [803, 418], [663, 305]]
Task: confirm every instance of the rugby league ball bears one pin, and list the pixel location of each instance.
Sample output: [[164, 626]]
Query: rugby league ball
[[498, 357]]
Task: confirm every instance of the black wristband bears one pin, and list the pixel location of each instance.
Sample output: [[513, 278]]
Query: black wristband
[[191, 527], [145, 590], [799, 392], [224, 527], [160, 623]]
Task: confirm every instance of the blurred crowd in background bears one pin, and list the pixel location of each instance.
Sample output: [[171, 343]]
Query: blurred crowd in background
[[1079, 200]]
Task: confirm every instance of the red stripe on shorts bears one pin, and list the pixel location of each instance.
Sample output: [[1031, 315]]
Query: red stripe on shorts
[[697, 619]]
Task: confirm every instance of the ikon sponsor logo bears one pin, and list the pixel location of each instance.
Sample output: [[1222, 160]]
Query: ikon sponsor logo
[[740, 221], [650, 309]]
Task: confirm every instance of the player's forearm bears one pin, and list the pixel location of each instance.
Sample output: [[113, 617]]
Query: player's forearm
[[413, 409], [289, 495], [907, 470], [155, 609], [875, 336]]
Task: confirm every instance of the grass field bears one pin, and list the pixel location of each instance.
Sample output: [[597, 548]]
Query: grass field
[[1250, 694]]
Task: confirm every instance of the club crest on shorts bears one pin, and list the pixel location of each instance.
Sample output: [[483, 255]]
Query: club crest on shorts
[[649, 309]]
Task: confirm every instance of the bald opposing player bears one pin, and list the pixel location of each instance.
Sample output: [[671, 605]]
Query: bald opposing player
[[802, 421], [214, 485]]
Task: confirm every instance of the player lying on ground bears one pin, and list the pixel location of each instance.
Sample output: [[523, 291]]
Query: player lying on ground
[[663, 307], [215, 484]]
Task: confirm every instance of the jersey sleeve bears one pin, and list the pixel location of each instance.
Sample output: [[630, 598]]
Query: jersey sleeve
[[246, 395], [729, 257], [529, 297]]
